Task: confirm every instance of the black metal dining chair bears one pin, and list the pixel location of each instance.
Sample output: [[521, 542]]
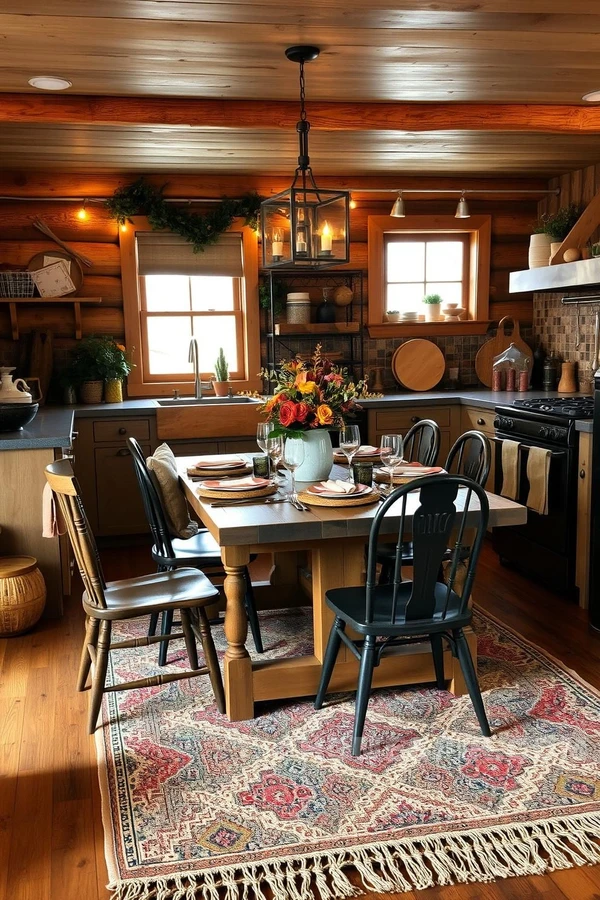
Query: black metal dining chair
[[407, 610], [200, 551], [422, 443], [471, 456]]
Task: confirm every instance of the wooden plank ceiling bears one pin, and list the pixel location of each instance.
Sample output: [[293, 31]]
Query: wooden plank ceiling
[[489, 51]]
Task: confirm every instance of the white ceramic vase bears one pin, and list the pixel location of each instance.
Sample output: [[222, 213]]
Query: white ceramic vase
[[539, 250], [432, 312], [318, 456]]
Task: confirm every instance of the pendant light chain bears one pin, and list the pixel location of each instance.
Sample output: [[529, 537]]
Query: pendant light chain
[[302, 93]]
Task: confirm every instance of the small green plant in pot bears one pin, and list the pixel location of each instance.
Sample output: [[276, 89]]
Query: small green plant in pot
[[221, 379], [433, 304], [392, 315]]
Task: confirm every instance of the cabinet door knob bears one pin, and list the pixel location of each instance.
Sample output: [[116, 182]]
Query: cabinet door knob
[[481, 421], [122, 431], [582, 474], [414, 419], [124, 451]]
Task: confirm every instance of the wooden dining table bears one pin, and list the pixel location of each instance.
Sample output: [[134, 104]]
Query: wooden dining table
[[335, 537]]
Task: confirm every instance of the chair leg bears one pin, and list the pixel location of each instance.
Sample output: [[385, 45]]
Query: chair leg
[[331, 652], [190, 640], [166, 626], [252, 614], [91, 637], [365, 678], [211, 659], [99, 679], [153, 624], [437, 650], [470, 676]]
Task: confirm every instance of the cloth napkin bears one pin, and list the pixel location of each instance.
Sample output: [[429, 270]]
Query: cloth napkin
[[510, 469], [247, 481], [538, 470], [363, 450], [338, 487], [218, 462], [52, 522]]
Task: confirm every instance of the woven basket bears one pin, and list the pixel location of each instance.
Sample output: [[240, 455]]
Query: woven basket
[[237, 495], [91, 391], [218, 473], [22, 594], [16, 284]]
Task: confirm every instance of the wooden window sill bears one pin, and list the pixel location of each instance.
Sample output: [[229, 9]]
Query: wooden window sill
[[427, 329]]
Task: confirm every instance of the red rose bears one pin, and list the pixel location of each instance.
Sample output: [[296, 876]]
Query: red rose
[[302, 410], [287, 413]]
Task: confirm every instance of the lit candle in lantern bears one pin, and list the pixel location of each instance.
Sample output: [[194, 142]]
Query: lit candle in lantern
[[277, 244], [326, 238]]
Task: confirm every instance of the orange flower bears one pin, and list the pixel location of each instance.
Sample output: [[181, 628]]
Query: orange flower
[[121, 348], [273, 401], [324, 414]]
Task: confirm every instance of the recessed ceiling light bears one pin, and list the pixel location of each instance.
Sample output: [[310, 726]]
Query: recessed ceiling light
[[50, 83], [592, 97]]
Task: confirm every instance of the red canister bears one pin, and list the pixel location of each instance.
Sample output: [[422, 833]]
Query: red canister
[[511, 379]]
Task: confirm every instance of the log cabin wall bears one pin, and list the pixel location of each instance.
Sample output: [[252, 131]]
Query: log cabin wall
[[97, 237], [555, 325]]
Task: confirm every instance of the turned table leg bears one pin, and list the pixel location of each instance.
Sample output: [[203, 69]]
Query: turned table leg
[[239, 696]]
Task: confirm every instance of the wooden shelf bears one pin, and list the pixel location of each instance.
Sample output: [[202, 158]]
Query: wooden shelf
[[321, 328], [427, 329], [42, 301]]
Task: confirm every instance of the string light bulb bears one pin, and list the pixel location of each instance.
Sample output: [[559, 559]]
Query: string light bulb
[[352, 204], [123, 226], [82, 213]]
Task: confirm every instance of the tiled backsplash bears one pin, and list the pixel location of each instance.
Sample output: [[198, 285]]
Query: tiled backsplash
[[555, 326]]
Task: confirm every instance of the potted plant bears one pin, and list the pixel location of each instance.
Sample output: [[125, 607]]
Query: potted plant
[[311, 398], [98, 359], [432, 307], [558, 225], [539, 247], [392, 315], [221, 379]]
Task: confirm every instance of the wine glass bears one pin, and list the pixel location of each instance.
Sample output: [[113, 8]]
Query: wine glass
[[293, 456], [349, 444], [275, 451], [263, 430], [390, 453]]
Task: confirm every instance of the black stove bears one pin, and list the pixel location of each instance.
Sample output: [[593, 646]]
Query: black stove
[[571, 407]]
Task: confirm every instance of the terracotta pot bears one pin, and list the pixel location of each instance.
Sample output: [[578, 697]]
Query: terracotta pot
[[91, 391], [113, 390], [221, 388]]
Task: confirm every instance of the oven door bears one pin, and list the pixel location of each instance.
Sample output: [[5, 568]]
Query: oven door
[[544, 545]]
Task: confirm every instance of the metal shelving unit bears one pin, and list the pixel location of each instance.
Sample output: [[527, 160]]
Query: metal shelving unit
[[293, 279]]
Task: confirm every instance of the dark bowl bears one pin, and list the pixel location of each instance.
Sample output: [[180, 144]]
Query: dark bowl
[[16, 415]]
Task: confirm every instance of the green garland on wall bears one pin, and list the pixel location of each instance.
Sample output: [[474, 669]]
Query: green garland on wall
[[200, 229]]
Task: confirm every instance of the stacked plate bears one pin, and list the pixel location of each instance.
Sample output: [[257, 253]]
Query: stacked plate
[[339, 490], [409, 317], [365, 452], [249, 483], [216, 465]]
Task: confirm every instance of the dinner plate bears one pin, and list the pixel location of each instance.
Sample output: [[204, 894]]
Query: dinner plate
[[361, 453], [320, 491], [235, 484]]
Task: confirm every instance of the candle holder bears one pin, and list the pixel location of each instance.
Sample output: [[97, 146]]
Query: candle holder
[[261, 466], [362, 473], [325, 253]]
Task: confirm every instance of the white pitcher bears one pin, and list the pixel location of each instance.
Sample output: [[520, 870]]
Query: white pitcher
[[13, 391]]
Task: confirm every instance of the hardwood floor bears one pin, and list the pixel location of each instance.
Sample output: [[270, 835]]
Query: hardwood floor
[[51, 840]]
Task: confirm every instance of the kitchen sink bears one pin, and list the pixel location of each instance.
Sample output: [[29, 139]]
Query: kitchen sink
[[206, 401]]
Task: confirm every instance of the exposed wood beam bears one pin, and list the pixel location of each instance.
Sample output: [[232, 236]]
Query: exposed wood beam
[[261, 114]]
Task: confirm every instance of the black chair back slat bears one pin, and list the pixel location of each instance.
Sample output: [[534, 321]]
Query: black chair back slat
[[153, 506], [471, 456], [422, 442], [433, 524]]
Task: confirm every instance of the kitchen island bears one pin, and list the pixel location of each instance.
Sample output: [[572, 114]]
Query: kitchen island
[[24, 454]]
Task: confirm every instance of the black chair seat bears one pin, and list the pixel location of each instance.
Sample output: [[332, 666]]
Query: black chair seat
[[350, 605], [202, 548]]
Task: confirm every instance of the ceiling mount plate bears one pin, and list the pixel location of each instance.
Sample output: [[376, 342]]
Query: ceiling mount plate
[[302, 53]]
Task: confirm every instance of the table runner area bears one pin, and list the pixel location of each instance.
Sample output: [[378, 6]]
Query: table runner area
[[195, 806]]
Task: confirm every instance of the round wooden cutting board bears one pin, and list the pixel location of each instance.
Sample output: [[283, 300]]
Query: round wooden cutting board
[[498, 344], [418, 365]]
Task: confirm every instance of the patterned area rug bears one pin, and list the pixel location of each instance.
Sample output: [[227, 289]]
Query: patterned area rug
[[193, 803]]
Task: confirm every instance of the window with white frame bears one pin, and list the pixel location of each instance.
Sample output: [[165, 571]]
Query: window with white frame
[[421, 264]]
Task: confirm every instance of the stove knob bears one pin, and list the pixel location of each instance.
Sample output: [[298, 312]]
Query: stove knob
[[544, 431], [504, 423]]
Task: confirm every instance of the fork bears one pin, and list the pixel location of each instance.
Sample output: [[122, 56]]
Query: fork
[[297, 504]]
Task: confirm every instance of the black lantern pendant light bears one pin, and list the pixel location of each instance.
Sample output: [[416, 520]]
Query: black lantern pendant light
[[305, 226]]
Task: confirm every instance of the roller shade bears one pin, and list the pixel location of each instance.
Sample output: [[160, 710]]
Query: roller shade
[[163, 253]]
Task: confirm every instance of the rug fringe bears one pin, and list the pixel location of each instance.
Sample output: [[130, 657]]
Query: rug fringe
[[478, 855]]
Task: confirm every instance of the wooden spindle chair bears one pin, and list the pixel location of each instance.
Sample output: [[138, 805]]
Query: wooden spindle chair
[[406, 610], [186, 590]]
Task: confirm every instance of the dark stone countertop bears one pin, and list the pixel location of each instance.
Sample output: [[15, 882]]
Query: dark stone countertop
[[52, 427]]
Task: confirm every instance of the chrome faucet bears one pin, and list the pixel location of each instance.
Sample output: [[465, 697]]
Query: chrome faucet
[[193, 358]]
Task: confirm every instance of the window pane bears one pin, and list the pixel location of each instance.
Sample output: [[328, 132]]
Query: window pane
[[450, 292], [167, 293], [405, 297], [406, 261], [211, 292], [168, 344], [214, 332], [444, 261]]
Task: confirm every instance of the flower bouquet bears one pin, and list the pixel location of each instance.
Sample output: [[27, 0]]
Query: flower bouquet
[[310, 394]]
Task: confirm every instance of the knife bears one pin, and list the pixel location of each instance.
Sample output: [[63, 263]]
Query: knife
[[249, 500]]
